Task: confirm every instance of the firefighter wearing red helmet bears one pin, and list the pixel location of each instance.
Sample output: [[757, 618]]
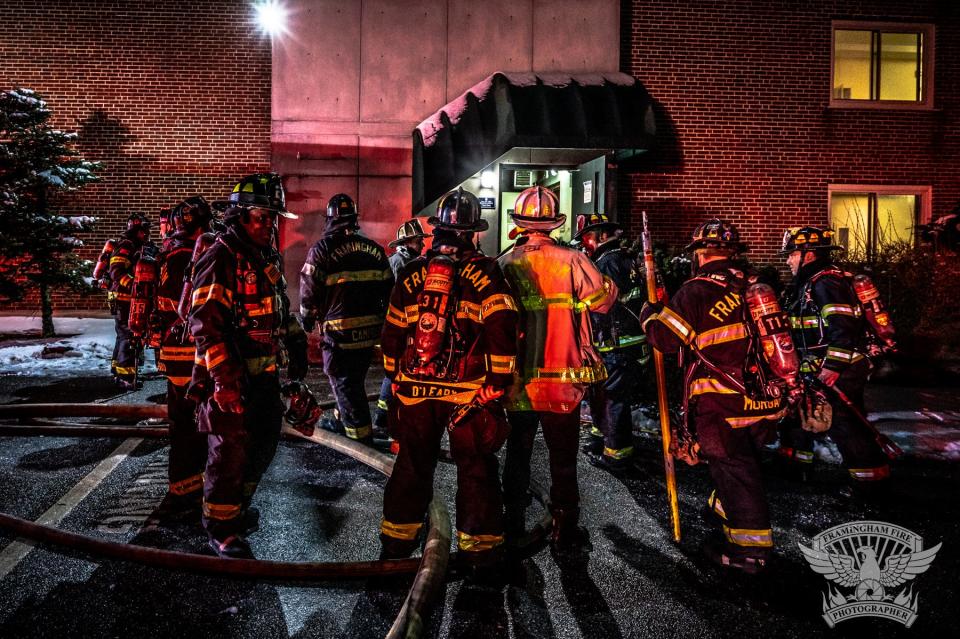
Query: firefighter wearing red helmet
[[829, 329], [449, 347], [706, 319], [133, 244], [344, 286], [243, 330], [188, 447], [557, 288], [620, 342]]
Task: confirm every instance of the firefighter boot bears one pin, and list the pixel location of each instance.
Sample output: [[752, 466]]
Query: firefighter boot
[[616, 467], [750, 561], [233, 547], [250, 521], [566, 536], [180, 509]]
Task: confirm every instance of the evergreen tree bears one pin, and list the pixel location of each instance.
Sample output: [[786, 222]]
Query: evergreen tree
[[37, 166]]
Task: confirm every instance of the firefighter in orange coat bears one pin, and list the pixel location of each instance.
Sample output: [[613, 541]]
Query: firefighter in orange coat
[[706, 314], [449, 347], [556, 288], [188, 448], [242, 326], [126, 351]]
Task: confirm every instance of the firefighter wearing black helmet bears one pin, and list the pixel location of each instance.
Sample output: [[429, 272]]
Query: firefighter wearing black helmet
[[407, 247], [243, 330], [344, 286], [706, 314], [829, 329], [449, 347], [620, 342], [188, 447], [122, 263]]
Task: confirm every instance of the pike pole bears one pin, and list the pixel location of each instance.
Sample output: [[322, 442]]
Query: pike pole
[[664, 409]]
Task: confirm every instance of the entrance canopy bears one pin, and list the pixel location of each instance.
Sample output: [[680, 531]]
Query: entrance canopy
[[548, 111]]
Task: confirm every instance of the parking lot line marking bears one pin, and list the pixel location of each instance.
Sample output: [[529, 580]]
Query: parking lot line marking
[[16, 551]]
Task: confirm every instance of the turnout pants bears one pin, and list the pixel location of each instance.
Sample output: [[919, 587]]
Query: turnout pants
[[419, 430], [610, 402], [863, 457], [347, 371], [240, 448], [124, 364], [188, 446], [561, 431], [733, 459]]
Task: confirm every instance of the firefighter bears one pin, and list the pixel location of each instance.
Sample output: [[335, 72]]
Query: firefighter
[[165, 225], [188, 447], [620, 342], [126, 351], [409, 246], [449, 347], [829, 330], [242, 326], [706, 316], [556, 288], [344, 287]]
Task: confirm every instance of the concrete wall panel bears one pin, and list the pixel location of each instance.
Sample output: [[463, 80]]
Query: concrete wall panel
[[316, 66], [324, 155], [496, 35], [572, 35], [403, 59], [386, 155], [384, 203]]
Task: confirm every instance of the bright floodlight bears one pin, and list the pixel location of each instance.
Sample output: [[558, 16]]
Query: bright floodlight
[[488, 179], [271, 16]]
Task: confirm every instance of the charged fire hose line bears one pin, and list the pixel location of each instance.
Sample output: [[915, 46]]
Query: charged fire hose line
[[430, 576], [32, 427], [117, 411], [169, 559]]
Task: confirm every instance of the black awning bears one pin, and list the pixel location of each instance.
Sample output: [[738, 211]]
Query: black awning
[[507, 110]]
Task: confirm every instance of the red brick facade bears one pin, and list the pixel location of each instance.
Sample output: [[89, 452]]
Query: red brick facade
[[743, 88], [173, 97]]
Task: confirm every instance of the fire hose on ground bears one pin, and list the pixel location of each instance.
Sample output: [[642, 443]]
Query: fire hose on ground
[[430, 569]]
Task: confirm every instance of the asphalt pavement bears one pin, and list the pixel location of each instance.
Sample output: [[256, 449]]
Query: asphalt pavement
[[317, 505]]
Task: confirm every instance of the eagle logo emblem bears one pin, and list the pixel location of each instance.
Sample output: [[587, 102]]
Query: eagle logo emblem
[[869, 565]]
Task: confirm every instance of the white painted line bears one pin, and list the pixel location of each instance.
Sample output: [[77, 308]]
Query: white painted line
[[16, 551]]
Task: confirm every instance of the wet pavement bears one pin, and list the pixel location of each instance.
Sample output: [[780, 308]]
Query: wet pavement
[[317, 505]]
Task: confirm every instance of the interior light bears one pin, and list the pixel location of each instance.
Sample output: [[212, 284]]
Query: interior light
[[488, 179], [271, 17]]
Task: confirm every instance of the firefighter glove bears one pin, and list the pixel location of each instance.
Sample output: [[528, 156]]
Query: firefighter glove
[[489, 393], [227, 397], [828, 377]]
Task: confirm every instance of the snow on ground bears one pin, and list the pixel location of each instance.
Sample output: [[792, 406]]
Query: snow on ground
[[89, 350]]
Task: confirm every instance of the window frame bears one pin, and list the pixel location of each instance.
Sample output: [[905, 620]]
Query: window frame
[[924, 192], [926, 64]]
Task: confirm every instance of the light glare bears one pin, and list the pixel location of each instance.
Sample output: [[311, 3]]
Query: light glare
[[271, 17], [488, 179]]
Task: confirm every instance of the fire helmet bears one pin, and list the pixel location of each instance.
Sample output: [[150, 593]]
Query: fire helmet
[[716, 233], [808, 238], [191, 214], [409, 230], [594, 222], [303, 410], [136, 221], [458, 211], [341, 206], [260, 190], [538, 208]]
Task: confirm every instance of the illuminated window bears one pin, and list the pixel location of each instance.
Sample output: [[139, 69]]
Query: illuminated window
[[882, 65], [867, 219]]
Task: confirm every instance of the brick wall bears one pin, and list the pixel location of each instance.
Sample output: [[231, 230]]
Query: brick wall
[[173, 96], [743, 87]]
